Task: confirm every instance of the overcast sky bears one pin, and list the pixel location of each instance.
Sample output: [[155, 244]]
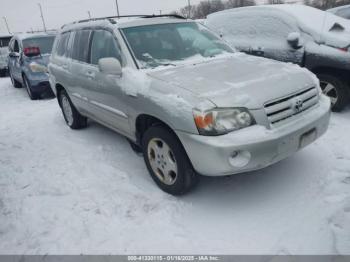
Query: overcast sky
[[22, 15]]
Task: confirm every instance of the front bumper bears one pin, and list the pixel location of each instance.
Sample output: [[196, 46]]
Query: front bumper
[[255, 147]]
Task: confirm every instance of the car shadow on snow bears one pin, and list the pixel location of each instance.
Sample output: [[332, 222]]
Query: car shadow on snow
[[290, 176]]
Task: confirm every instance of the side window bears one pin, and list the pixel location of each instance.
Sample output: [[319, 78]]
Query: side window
[[62, 45], [81, 45], [104, 45], [16, 47]]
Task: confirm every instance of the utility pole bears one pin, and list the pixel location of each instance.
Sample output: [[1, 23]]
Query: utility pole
[[42, 16], [7, 26], [89, 14], [189, 9], [116, 2], [160, 12]]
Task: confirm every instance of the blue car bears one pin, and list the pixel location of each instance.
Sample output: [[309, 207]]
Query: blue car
[[29, 56]]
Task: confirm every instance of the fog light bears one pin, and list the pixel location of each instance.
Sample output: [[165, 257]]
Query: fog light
[[240, 158]]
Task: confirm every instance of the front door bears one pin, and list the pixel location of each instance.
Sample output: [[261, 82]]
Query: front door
[[105, 92]]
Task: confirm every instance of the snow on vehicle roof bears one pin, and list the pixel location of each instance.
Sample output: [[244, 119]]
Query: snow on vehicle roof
[[125, 22], [23, 36], [310, 20], [313, 18]]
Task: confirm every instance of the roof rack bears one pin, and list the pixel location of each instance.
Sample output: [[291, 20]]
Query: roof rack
[[110, 18]]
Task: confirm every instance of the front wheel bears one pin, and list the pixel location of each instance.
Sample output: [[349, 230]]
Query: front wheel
[[31, 94], [167, 161], [71, 115], [336, 89]]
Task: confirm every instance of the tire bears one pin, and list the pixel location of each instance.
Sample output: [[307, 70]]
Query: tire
[[15, 83], [336, 89], [32, 95], [71, 115], [136, 148], [3, 73], [164, 154]]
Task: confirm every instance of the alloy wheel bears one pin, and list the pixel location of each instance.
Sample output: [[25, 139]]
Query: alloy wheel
[[67, 110], [162, 161], [330, 90]]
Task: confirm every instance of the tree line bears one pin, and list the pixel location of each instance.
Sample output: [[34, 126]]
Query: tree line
[[207, 7]]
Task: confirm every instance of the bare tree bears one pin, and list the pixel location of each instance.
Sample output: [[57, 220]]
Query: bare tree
[[276, 2], [207, 7], [238, 3], [326, 4]]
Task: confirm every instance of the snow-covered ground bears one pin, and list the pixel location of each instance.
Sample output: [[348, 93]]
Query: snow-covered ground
[[73, 192]]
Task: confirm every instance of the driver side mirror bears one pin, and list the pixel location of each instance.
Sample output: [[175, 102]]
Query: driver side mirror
[[110, 66], [294, 40]]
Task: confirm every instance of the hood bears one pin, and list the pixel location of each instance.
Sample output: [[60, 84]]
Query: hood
[[238, 81]]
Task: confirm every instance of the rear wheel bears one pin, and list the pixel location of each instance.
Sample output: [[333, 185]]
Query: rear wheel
[[167, 161], [71, 115], [336, 89]]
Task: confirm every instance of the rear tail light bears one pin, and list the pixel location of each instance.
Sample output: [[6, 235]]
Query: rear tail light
[[344, 49], [31, 51]]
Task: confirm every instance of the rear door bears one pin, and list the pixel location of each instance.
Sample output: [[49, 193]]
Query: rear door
[[105, 94], [81, 80]]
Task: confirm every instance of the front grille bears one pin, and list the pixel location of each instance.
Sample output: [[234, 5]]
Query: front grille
[[284, 108]]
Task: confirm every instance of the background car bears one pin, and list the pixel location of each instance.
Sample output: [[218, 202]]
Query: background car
[[4, 42], [342, 11], [299, 34], [28, 59]]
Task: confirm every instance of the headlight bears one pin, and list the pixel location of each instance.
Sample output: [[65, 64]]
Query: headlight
[[37, 68], [221, 121]]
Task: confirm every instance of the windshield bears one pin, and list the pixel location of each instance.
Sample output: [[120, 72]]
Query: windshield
[[44, 43], [166, 44]]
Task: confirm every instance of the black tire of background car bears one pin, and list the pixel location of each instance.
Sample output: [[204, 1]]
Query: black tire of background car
[[31, 94], [341, 88], [136, 148], [187, 178], [79, 121], [3, 73], [15, 83]]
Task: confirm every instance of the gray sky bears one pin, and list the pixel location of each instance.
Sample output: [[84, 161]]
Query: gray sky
[[22, 15]]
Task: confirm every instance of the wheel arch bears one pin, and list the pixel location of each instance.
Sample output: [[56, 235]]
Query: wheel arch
[[145, 121], [336, 72]]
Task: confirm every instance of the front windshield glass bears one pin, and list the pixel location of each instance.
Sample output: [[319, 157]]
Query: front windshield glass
[[44, 43], [169, 44]]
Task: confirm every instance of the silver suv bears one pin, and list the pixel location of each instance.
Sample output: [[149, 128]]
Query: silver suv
[[184, 98]]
